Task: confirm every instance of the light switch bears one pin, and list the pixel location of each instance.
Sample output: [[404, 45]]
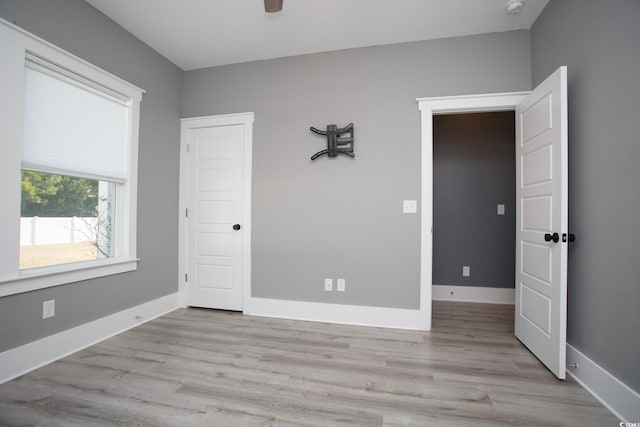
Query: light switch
[[500, 209], [466, 271], [409, 206]]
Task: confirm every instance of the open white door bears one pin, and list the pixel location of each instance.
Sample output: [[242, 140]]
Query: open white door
[[541, 221]]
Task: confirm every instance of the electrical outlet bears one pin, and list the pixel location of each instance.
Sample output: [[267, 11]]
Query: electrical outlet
[[500, 209], [409, 206], [466, 271], [341, 285], [48, 309], [328, 284]]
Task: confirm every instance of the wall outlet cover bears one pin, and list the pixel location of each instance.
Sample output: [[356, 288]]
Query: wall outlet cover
[[328, 284], [341, 285], [466, 270], [48, 309], [409, 206]]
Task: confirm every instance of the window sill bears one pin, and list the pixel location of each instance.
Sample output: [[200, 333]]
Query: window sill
[[46, 277]]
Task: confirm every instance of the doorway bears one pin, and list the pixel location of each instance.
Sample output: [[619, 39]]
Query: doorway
[[474, 204], [428, 108]]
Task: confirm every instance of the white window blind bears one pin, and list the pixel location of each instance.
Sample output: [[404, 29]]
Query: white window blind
[[73, 127]]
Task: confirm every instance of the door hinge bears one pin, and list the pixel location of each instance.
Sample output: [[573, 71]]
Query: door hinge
[[186, 277], [188, 146], [186, 212]]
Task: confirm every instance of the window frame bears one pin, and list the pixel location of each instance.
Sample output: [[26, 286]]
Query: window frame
[[15, 45]]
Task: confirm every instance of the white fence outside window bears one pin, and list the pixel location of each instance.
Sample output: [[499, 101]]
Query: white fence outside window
[[46, 230]]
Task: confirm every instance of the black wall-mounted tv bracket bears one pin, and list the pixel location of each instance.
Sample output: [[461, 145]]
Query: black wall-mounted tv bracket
[[339, 141]]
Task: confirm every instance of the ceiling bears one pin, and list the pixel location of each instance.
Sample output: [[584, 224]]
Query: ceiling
[[203, 33]]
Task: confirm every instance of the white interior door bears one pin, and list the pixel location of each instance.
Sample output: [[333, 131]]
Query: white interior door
[[541, 221], [214, 222]]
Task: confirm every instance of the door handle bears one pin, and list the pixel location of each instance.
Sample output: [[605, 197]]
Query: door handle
[[572, 237], [549, 237], [236, 227]]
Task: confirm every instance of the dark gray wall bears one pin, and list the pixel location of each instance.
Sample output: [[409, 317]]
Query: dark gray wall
[[80, 29], [343, 217], [598, 41], [474, 170]]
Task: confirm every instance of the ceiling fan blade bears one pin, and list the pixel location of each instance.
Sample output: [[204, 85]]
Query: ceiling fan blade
[[271, 6]]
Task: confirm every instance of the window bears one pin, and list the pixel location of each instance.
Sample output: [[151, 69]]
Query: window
[[65, 219], [68, 179]]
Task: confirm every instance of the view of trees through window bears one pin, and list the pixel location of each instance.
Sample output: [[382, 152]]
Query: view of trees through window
[[49, 195], [64, 219]]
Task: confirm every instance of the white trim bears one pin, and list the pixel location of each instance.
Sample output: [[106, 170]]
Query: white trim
[[506, 101], [615, 395], [219, 120], [26, 358], [428, 108], [337, 313], [62, 58], [45, 277], [247, 208], [426, 216], [245, 119], [183, 202], [474, 294]]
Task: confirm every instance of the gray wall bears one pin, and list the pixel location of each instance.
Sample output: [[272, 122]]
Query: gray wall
[[80, 29], [598, 41], [343, 217], [473, 171]]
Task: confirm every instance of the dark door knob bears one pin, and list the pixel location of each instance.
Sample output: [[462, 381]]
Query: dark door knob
[[236, 227], [549, 237]]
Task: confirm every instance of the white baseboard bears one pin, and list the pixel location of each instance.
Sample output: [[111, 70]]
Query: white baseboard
[[20, 360], [339, 313], [609, 390], [474, 294]]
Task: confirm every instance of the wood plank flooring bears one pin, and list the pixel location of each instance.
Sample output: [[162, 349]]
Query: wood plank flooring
[[197, 367]]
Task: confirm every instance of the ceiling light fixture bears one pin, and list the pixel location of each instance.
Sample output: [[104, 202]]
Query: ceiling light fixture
[[512, 7], [272, 6]]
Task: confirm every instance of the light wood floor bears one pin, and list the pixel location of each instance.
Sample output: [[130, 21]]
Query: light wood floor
[[209, 368]]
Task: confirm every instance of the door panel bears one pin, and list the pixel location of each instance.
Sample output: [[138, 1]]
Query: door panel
[[536, 166], [538, 117], [214, 256], [214, 276], [537, 263], [536, 213], [536, 308], [542, 208]]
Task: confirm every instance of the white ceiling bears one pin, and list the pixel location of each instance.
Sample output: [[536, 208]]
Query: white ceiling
[[204, 33]]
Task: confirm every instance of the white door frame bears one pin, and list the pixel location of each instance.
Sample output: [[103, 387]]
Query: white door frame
[[428, 108], [245, 119]]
